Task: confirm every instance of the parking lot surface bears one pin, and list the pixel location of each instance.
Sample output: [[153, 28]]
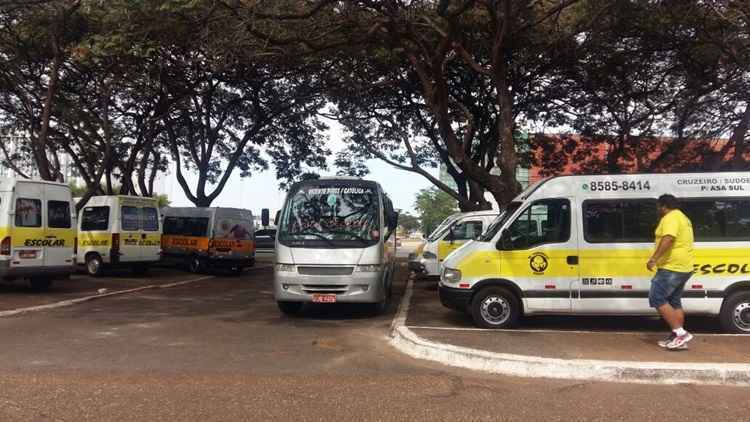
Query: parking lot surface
[[218, 349]]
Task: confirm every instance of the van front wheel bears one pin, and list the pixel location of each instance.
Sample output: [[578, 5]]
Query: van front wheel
[[735, 314], [495, 307]]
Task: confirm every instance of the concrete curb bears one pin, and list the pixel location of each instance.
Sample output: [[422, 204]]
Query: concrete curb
[[409, 343], [71, 302]]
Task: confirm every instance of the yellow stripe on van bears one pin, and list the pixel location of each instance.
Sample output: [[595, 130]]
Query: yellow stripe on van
[[94, 240], [30, 237], [715, 262]]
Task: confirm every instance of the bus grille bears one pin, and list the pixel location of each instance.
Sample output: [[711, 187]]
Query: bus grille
[[325, 270]]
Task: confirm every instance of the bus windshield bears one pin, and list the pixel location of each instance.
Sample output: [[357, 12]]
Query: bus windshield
[[328, 215]]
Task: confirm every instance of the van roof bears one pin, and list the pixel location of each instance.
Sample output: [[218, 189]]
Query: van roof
[[7, 183], [202, 212], [642, 185]]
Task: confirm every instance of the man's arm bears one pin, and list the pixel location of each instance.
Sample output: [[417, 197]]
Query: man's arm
[[665, 245]]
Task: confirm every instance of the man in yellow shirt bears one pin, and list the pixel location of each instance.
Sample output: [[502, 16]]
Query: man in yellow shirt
[[673, 259]]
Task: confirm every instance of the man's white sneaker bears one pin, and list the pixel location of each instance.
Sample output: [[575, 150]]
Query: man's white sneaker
[[666, 341], [679, 341]]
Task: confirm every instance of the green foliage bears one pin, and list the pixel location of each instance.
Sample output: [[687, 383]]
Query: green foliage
[[409, 223], [433, 206]]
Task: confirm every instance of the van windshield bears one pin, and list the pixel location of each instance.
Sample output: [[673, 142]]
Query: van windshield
[[328, 215], [442, 228], [496, 225]]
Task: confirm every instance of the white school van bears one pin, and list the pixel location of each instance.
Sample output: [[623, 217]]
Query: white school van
[[119, 231], [37, 231], [579, 245], [451, 234]]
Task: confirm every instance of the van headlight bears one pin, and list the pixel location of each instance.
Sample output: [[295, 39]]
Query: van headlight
[[369, 268], [286, 268], [451, 276], [429, 255]]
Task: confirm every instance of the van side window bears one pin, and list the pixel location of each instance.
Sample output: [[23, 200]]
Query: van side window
[[95, 219], [619, 221], [186, 226], [28, 212], [720, 219], [150, 219], [546, 221], [58, 215], [467, 230], [131, 218]]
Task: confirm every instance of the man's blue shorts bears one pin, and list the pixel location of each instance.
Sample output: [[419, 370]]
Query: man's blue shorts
[[667, 287]]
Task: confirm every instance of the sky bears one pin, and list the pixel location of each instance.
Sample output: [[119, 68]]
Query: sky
[[261, 190]]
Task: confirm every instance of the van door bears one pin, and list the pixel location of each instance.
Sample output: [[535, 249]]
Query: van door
[[459, 233], [59, 229], [130, 233], [28, 234], [540, 252], [617, 240]]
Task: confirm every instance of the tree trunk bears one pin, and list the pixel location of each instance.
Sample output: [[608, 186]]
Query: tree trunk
[[39, 143], [738, 139]]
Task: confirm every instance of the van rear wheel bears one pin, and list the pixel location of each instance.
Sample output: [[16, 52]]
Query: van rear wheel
[[94, 265], [735, 314], [495, 307], [290, 308], [196, 265], [40, 284]]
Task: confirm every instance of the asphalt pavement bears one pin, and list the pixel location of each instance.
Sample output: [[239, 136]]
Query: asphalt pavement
[[218, 349]]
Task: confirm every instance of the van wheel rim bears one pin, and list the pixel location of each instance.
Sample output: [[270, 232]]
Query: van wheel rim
[[93, 266], [742, 316], [495, 310]]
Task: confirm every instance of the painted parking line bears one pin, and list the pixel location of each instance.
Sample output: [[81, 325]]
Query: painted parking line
[[560, 331], [71, 302]]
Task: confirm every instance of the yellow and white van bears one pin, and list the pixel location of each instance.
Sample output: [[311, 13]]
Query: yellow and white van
[[37, 231], [579, 245], [451, 234], [119, 231], [204, 238]]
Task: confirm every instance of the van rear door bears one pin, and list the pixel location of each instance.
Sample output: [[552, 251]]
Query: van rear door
[[130, 232], [28, 233], [59, 231], [151, 234]]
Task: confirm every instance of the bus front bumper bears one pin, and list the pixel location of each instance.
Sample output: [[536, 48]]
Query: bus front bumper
[[359, 287]]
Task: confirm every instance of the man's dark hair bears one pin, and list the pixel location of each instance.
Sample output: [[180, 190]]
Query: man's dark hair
[[668, 201]]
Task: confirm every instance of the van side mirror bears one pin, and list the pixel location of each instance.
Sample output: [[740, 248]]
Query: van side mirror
[[505, 243], [393, 221], [276, 219], [451, 237], [265, 218]]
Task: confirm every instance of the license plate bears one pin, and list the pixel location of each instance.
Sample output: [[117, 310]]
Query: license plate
[[324, 298], [27, 254]]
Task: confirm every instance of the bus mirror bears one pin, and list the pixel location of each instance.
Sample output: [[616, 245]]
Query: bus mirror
[[393, 223], [265, 218], [276, 219]]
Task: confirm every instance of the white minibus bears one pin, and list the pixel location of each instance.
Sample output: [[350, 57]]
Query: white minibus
[[335, 243]]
